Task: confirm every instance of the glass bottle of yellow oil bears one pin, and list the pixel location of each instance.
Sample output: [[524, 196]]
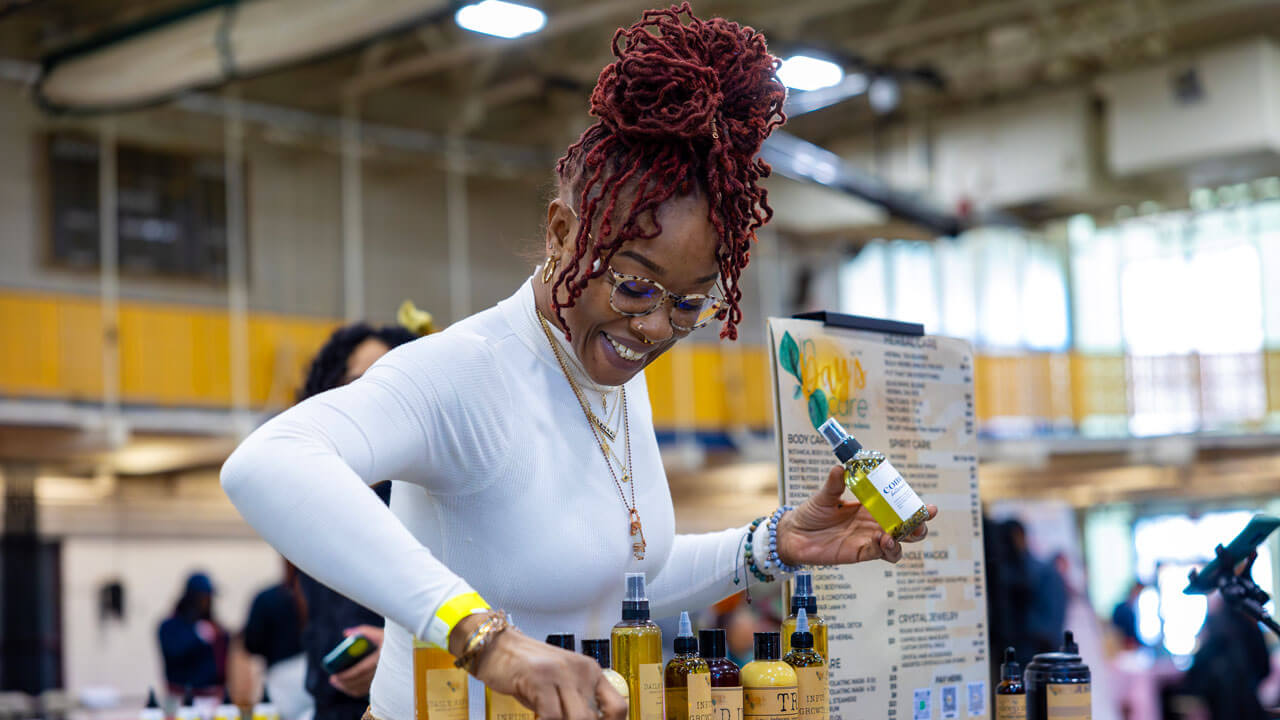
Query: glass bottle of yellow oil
[[876, 484], [770, 689], [439, 688], [803, 597], [811, 671], [637, 653], [687, 678]]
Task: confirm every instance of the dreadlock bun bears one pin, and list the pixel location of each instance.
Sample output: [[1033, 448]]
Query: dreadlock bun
[[687, 103]]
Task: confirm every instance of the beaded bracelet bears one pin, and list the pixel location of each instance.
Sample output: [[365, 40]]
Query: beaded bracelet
[[480, 639], [750, 557], [773, 558]]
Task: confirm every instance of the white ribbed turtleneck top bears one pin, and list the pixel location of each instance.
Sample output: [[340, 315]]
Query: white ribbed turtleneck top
[[500, 487]]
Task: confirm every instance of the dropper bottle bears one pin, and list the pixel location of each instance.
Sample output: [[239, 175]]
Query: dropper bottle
[[811, 671], [802, 596], [501, 706], [599, 649], [187, 710], [637, 652], [1011, 694], [687, 678], [152, 711]]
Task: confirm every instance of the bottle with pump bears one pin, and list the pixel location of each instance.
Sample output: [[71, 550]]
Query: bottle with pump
[[1059, 684], [599, 649], [877, 485], [152, 710], [802, 596], [687, 678], [637, 653], [726, 678], [500, 706], [811, 671], [439, 688], [265, 710], [1011, 695], [227, 710], [770, 688], [187, 710]]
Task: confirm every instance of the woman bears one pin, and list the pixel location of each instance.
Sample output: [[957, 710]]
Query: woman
[[521, 438]]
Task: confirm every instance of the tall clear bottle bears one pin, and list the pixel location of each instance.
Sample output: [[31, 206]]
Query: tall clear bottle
[[687, 678], [811, 671], [802, 596], [637, 653], [878, 486]]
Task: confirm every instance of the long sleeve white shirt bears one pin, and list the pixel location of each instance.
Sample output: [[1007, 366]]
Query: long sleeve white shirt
[[500, 488]]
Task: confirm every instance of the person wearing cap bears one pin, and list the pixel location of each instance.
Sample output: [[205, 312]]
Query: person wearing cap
[[193, 644]]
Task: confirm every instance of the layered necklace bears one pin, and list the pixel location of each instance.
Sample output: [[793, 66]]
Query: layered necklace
[[605, 435]]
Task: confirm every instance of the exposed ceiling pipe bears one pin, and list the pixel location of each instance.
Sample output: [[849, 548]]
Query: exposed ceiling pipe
[[210, 43]]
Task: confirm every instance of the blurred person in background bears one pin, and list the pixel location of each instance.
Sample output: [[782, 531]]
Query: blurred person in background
[[1044, 613], [1124, 617], [523, 435], [274, 633], [330, 616], [193, 644], [1229, 665]]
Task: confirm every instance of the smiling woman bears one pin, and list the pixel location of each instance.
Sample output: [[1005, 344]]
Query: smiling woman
[[522, 438]]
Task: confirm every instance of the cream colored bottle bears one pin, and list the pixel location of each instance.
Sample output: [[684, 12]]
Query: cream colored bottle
[[770, 688]]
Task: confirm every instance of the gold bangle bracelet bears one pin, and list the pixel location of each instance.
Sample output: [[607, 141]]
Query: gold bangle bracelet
[[480, 639]]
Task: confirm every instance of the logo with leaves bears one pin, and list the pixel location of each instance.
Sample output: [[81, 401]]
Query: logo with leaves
[[816, 397], [826, 386]]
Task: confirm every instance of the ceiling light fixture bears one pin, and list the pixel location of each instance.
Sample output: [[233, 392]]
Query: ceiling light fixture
[[804, 72], [500, 19]]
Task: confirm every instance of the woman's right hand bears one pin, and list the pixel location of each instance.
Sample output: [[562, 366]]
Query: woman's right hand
[[554, 683]]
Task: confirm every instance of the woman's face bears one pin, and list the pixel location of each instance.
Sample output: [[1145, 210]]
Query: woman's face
[[682, 258], [363, 357]]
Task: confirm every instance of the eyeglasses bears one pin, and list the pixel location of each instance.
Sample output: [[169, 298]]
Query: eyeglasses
[[635, 296]]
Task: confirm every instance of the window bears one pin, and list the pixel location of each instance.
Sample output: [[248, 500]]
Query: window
[[171, 209]]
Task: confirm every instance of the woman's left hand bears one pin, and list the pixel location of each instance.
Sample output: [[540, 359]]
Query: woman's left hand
[[826, 530]]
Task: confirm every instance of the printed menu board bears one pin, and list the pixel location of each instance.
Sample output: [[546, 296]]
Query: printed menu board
[[907, 641]]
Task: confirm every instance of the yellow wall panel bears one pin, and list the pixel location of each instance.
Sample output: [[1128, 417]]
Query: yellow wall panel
[[1272, 370], [1099, 386], [80, 340]]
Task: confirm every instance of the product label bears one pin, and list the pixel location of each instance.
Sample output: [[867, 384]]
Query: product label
[[771, 703], [1011, 707], [813, 692], [505, 707], [726, 703], [650, 695], [447, 694], [700, 705], [895, 490], [1069, 702]]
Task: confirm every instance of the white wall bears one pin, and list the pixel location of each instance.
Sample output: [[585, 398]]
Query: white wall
[[125, 655]]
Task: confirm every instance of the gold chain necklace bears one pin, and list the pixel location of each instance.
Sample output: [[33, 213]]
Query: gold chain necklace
[[637, 530]]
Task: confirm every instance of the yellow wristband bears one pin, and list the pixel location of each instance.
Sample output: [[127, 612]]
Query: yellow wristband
[[450, 614]]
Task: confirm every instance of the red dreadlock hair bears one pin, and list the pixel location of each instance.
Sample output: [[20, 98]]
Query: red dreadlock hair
[[684, 107]]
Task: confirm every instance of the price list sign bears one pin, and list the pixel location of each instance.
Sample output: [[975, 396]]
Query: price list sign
[[907, 641]]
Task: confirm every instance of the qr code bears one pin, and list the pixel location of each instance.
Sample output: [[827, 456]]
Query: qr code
[[977, 699], [950, 702]]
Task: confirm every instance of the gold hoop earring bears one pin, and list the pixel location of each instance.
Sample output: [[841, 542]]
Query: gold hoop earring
[[549, 267]]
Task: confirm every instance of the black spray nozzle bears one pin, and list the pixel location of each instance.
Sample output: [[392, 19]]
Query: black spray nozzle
[[635, 604], [1010, 669], [1069, 643], [802, 594], [598, 649], [842, 443], [768, 646], [712, 643]]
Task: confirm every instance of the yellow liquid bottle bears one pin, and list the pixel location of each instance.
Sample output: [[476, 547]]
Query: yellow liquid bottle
[[811, 672], [439, 688], [770, 688], [637, 653], [802, 596], [877, 485], [687, 678]]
